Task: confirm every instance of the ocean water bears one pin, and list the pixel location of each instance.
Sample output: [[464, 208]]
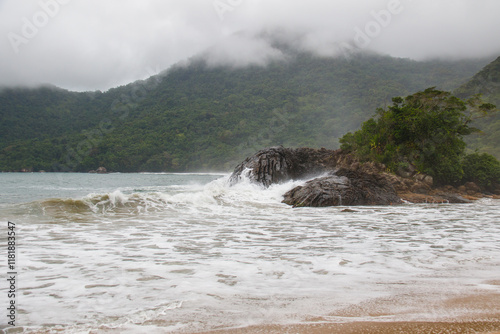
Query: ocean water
[[168, 253]]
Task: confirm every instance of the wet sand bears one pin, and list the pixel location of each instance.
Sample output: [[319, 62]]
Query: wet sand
[[371, 328], [477, 313]]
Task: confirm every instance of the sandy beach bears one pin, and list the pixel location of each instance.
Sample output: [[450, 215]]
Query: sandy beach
[[372, 328], [474, 314], [481, 315]]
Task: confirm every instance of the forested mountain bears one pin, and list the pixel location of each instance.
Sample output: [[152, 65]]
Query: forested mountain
[[487, 83], [198, 117]]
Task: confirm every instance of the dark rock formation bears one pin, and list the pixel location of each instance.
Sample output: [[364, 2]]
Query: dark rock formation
[[330, 190], [101, 170], [472, 188], [426, 179], [454, 198], [436, 198], [279, 164], [344, 187], [347, 181]]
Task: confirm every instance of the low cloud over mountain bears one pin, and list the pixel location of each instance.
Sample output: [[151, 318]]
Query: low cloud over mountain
[[87, 45]]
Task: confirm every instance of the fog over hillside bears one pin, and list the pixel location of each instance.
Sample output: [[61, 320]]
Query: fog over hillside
[[89, 45]]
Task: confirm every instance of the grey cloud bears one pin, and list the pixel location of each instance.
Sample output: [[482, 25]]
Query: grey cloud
[[240, 50], [91, 44]]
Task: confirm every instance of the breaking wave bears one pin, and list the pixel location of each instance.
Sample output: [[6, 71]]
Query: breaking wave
[[212, 196]]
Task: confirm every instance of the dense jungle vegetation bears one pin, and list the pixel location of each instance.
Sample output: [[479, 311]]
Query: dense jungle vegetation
[[425, 132], [486, 83], [196, 117]]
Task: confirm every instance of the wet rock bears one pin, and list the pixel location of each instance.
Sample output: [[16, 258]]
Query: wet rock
[[454, 198], [429, 180], [101, 170], [425, 179], [472, 187], [344, 187], [420, 188], [435, 198], [349, 210], [279, 164], [324, 191], [449, 189], [422, 198], [347, 180]]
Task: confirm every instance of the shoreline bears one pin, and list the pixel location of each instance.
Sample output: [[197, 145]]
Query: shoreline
[[356, 327], [424, 194], [459, 310], [413, 327], [470, 313]]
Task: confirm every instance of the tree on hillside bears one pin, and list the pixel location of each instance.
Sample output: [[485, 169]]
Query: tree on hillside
[[425, 130]]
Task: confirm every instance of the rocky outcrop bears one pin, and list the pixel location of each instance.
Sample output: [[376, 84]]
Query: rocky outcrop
[[348, 182], [436, 197], [342, 180], [344, 187], [100, 170], [330, 190], [279, 164]]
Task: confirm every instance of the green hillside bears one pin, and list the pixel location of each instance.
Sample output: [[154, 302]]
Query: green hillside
[[487, 83], [197, 117]]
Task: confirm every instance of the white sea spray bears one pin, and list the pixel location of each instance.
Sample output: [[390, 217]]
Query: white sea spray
[[146, 252]]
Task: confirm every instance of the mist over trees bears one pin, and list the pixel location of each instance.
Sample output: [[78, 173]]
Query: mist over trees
[[199, 117]]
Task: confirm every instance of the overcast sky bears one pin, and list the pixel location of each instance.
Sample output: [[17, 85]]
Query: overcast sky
[[99, 44]]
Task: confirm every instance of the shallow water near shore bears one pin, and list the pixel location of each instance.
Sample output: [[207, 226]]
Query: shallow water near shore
[[186, 252]]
